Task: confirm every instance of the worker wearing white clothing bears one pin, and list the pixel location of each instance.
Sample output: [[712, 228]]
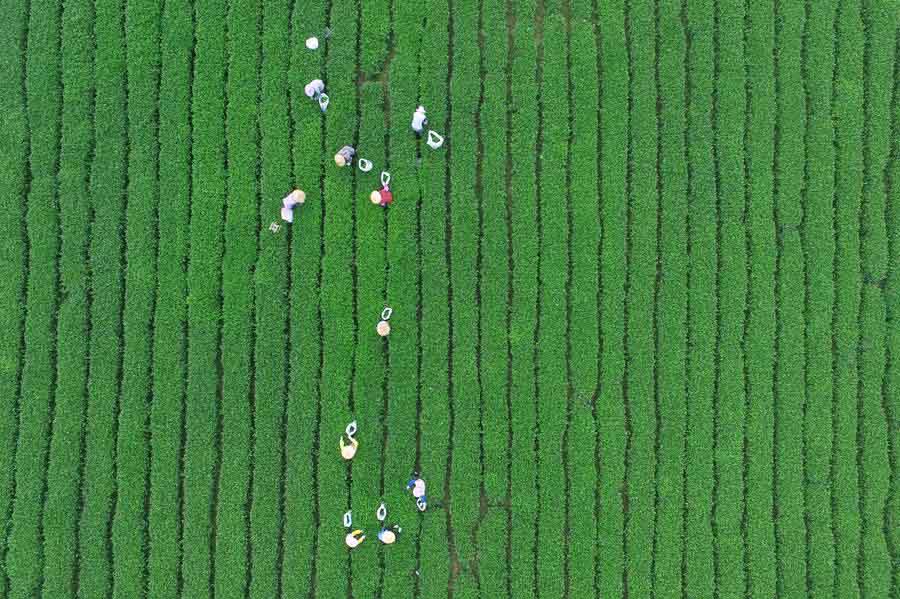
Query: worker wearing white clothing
[[314, 88], [419, 120], [287, 204], [354, 539], [417, 486], [383, 328], [344, 156], [348, 450], [388, 536]]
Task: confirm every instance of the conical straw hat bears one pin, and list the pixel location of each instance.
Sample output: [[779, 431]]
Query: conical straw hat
[[383, 328]]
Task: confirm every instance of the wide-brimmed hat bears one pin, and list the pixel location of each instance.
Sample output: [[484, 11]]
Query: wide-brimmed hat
[[388, 537], [383, 328]]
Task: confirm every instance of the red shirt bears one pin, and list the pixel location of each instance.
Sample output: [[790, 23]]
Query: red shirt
[[386, 196]]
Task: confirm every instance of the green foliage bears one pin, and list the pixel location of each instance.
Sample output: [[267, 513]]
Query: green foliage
[[337, 301], [305, 324], [129, 534], [13, 161], [879, 30], [371, 351], [240, 238], [107, 190], [892, 305], [375, 31], [203, 401], [494, 248], [271, 290], [671, 307], [818, 238], [840, 571], [699, 577], [877, 556], [640, 293], [582, 298], [399, 264], [552, 383], [645, 298], [63, 475], [759, 341], [874, 469], [610, 406], [790, 524], [434, 567], [462, 215], [524, 303], [25, 553], [730, 408], [170, 320], [790, 395]]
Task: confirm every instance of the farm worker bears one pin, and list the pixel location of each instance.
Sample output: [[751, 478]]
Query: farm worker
[[348, 450], [419, 120], [287, 204], [344, 156], [314, 88], [355, 538], [383, 328], [388, 536], [417, 485], [382, 197]]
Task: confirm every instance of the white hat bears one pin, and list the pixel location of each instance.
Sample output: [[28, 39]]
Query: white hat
[[312, 43], [418, 488], [348, 451], [298, 196], [316, 86], [387, 537]]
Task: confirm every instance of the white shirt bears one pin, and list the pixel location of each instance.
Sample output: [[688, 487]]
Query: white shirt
[[419, 488], [316, 86], [418, 119], [288, 203], [293, 198]]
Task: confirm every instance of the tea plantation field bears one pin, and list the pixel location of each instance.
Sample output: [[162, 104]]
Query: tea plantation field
[[646, 299]]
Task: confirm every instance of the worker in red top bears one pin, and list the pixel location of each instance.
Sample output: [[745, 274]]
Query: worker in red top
[[382, 197]]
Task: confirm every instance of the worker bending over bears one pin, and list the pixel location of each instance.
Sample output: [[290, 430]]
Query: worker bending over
[[348, 450], [354, 539]]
